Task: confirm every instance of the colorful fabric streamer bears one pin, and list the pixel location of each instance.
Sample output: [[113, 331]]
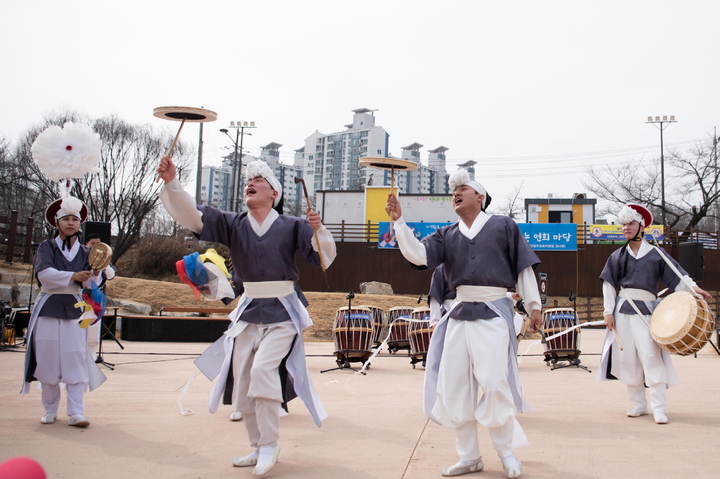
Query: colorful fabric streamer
[[93, 304], [206, 274], [180, 266]]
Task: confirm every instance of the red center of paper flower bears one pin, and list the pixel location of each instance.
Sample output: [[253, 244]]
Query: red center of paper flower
[[68, 148]]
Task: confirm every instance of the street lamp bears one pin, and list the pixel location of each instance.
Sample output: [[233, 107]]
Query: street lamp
[[663, 124], [235, 188]]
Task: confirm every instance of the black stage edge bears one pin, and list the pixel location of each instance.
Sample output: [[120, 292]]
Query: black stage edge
[[164, 329]]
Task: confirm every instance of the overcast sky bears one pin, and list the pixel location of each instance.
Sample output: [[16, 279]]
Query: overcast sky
[[534, 91]]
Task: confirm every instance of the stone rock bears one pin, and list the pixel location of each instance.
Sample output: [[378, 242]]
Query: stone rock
[[5, 293], [130, 306], [23, 294], [374, 287]]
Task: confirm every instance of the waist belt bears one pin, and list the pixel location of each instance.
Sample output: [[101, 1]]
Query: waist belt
[[74, 289], [637, 294], [470, 294], [269, 289]]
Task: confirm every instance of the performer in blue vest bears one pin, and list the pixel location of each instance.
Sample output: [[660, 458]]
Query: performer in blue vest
[[57, 347], [266, 327], [634, 270], [484, 256]]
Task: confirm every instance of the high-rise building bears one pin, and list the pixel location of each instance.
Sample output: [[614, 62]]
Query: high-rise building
[[331, 162]]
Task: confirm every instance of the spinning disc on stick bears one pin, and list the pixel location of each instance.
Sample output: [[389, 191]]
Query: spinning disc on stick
[[185, 113], [388, 164]]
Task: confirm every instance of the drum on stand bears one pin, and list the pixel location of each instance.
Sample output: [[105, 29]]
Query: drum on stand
[[353, 334], [378, 317], [682, 323], [419, 334], [398, 328], [564, 347]]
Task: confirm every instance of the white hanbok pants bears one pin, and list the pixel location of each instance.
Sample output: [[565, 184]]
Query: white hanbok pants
[[257, 393], [640, 362], [475, 353], [60, 351]]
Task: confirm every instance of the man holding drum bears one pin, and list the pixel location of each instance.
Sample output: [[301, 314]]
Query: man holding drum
[[484, 256], [636, 359], [266, 327]]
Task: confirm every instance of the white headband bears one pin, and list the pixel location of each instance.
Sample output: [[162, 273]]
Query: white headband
[[260, 168], [462, 177]]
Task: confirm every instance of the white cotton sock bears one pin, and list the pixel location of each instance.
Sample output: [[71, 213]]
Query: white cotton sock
[[510, 460]]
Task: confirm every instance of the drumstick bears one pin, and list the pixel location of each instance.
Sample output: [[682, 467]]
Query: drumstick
[[315, 233], [617, 339], [172, 147]]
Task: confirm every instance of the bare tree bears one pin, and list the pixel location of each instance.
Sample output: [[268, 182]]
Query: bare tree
[[123, 192], [513, 204], [691, 185]]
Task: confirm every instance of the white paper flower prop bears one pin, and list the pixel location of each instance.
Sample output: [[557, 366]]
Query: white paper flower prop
[[68, 152]]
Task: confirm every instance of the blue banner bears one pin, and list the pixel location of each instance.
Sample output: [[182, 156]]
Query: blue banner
[[421, 230], [551, 236]]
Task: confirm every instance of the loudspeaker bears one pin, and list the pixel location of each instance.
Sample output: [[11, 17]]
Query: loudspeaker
[[691, 258], [99, 228]]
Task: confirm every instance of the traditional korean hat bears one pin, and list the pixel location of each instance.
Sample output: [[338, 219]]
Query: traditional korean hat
[[62, 154], [462, 177], [635, 212]]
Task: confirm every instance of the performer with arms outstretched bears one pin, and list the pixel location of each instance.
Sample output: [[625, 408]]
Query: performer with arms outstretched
[[266, 327], [474, 344]]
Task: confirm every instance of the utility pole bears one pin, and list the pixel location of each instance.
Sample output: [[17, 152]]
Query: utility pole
[[663, 124]]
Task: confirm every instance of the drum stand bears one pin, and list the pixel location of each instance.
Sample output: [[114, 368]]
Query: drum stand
[[346, 364]]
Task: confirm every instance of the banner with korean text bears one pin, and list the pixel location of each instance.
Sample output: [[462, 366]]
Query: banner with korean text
[[550, 236], [614, 232]]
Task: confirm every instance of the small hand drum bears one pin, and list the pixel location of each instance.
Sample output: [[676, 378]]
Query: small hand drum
[[99, 257]]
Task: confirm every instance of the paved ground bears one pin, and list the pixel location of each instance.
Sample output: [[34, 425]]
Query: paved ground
[[376, 428]]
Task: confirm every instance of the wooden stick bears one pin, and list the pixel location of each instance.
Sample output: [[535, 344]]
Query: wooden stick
[[392, 192], [315, 233], [172, 147], [617, 339]]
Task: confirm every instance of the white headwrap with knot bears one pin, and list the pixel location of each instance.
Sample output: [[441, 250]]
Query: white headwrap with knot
[[260, 168], [628, 215], [462, 177]]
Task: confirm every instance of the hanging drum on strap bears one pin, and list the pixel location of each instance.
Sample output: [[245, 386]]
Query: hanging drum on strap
[[353, 334], [398, 328], [682, 323], [419, 334]]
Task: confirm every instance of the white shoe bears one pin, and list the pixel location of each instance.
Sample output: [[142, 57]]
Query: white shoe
[[48, 418], [236, 416], [660, 418], [637, 411], [511, 466], [266, 460], [249, 460], [460, 469], [78, 420]]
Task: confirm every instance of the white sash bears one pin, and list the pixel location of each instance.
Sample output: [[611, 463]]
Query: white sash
[[269, 289], [73, 289], [470, 294]]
